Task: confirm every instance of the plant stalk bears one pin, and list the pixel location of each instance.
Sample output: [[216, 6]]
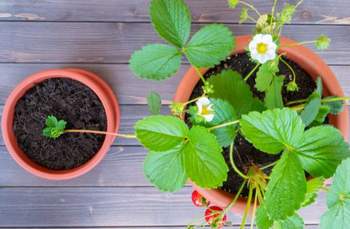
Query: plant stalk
[[223, 125], [251, 72], [99, 132], [234, 166]]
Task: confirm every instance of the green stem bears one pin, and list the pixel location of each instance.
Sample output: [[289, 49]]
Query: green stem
[[254, 209], [298, 108], [233, 202], [290, 68], [247, 207], [99, 132], [199, 73], [251, 7], [234, 166], [299, 44], [323, 100], [252, 19], [268, 166], [251, 72], [223, 125]]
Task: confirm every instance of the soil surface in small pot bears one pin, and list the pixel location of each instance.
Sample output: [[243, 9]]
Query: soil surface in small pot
[[66, 99], [245, 155]]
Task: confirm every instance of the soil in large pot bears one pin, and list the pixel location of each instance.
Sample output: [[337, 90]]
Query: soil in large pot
[[245, 154], [66, 99]]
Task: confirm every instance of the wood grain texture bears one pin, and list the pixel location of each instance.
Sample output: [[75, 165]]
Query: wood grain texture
[[143, 206], [310, 12], [50, 42]]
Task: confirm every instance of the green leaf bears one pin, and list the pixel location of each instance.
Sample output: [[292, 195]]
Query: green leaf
[[273, 97], [54, 128], [322, 150], [154, 102], [265, 75], [292, 222], [203, 160], [160, 132], [273, 130], [244, 15], [312, 188], [51, 121], [155, 62], [311, 109], [172, 20], [210, 45], [338, 200], [287, 187], [262, 219], [322, 42], [335, 106], [319, 86], [229, 85], [165, 169], [322, 115], [223, 113]]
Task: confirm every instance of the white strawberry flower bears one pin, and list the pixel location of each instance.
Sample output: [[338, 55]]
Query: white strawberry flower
[[262, 48], [205, 108]]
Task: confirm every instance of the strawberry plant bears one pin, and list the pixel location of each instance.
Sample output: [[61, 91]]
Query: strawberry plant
[[189, 142]]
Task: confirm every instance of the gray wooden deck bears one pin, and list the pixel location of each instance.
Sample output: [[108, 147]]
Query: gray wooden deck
[[100, 35]]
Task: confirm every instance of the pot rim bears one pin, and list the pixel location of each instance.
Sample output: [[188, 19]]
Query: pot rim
[[307, 60], [89, 79]]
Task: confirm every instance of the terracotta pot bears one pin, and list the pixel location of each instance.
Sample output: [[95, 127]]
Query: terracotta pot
[[307, 60], [96, 84]]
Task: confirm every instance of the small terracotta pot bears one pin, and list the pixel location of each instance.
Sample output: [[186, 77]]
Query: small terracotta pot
[[306, 59], [96, 84]]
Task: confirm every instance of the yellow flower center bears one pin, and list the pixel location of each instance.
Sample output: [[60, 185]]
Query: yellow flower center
[[205, 110], [261, 48]]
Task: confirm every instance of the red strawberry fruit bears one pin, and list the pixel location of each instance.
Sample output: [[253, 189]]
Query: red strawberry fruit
[[198, 200], [215, 217]]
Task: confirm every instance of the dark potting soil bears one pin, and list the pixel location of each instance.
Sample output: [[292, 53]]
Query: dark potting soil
[[66, 99], [245, 155]]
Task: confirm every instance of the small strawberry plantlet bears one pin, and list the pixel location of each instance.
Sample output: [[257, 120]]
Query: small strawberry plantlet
[[257, 107]]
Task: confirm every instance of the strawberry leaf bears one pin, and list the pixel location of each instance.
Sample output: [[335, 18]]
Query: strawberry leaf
[[312, 188], [160, 132], [273, 96], [311, 109], [229, 85], [155, 62], [335, 106], [165, 169], [338, 201], [273, 130], [265, 75], [172, 20], [292, 222], [263, 220], [203, 160], [286, 189], [322, 150], [210, 45], [54, 128]]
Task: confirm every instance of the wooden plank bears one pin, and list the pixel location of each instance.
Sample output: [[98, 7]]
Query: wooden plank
[[92, 207], [122, 166], [154, 227], [313, 12], [50, 42]]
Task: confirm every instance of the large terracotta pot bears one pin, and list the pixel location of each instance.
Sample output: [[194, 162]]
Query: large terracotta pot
[[96, 84], [306, 59]]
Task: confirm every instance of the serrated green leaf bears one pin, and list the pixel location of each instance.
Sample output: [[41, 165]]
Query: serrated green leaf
[[265, 75], [319, 86], [165, 169], [335, 106], [54, 128], [322, 115], [172, 20], [155, 62], [338, 200], [229, 85], [210, 45], [312, 188], [292, 222], [311, 109], [262, 219], [203, 160], [273, 96], [273, 130], [223, 113], [160, 132], [51, 121], [286, 189], [154, 103], [322, 150]]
